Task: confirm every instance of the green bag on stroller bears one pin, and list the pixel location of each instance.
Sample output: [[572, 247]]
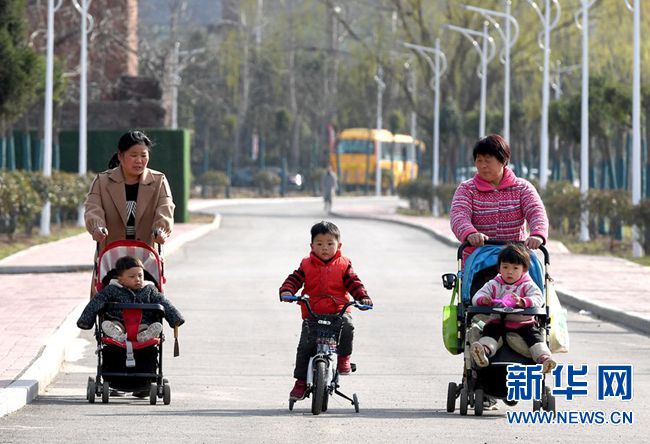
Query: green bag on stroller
[[450, 325]]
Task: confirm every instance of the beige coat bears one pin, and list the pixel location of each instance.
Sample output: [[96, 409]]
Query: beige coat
[[106, 205]]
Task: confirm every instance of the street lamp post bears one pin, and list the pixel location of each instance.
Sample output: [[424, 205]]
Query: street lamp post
[[177, 68], [637, 250], [380, 93], [47, 114], [486, 57], [546, 46], [438, 67], [584, 121], [83, 95], [508, 42]]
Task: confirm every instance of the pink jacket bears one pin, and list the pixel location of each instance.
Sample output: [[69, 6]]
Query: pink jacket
[[525, 288], [500, 213]]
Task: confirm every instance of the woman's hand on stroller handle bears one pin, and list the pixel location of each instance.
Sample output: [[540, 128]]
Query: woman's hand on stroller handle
[[99, 234]]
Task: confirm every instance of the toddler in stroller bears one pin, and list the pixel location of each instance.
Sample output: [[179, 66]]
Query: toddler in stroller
[[129, 311], [516, 328], [514, 288]]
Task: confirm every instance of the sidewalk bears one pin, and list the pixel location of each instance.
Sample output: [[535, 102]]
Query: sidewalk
[[607, 286], [42, 292]]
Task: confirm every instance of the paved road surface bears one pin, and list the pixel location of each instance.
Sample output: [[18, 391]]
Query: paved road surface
[[232, 379]]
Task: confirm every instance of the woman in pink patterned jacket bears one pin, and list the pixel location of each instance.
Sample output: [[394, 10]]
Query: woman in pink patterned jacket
[[495, 204]]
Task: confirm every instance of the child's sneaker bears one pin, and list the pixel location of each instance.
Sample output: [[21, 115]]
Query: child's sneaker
[[153, 331], [547, 362], [112, 330], [299, 390], [477, 350], [344, 366]]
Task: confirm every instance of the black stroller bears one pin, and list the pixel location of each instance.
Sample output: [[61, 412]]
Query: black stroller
[[129, 366], [491, 381]]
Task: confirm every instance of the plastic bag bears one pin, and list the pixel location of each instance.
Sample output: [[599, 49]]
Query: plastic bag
[[559, 335]]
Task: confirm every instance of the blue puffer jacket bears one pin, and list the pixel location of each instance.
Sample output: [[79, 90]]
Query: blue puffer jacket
[[115, 292]]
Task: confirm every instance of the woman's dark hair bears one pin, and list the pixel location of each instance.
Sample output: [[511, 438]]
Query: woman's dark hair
[[514, 254], [324, 227], [128, 140], [493, 145], [125, 263]]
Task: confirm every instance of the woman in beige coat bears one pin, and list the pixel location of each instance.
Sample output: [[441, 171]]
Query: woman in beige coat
[[130, 201]]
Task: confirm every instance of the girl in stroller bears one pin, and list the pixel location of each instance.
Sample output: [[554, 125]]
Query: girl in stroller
[[514, 288]]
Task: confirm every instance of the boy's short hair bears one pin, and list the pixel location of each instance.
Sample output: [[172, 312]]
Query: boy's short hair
[[514, 254], [325, 227], [127, 262]]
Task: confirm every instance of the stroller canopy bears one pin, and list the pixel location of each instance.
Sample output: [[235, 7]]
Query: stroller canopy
[[485, 257], [140, 250]]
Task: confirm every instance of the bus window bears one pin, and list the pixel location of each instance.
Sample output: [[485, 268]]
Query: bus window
[[355, 146], [386, 151]]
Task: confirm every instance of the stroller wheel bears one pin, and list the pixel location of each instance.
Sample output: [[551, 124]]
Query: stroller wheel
[[478, 402], [464, 401], [153, 394], [548, 400], [167, 394], [452, 389], [90, 390], [105, 392]]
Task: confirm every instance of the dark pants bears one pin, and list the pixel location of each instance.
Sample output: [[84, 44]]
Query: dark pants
[[307, 349], [530, 333]]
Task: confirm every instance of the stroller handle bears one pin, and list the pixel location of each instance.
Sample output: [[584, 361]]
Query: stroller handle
[[466, 244]]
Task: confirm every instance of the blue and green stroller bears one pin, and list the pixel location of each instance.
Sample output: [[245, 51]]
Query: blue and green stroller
[[463, 323]]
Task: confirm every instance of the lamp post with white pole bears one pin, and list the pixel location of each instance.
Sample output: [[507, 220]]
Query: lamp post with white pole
[[380, 93], [438, 67], [509, 40], [83, 95], [584, 120], [546, 47], [637, 250], [47, 114], [486, 57]]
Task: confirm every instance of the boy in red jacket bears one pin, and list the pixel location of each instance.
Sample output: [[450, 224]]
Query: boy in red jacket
[[329, 280]]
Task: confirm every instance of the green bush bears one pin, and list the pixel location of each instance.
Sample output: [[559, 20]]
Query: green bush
[[561, 200], [612, 205], [212, 182], [19, 203], [266, 182], [640, 216], [22, 195]]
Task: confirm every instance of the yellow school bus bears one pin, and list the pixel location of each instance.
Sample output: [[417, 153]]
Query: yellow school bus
[[355, 155]]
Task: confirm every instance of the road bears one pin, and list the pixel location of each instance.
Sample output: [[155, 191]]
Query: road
[[232, 380]]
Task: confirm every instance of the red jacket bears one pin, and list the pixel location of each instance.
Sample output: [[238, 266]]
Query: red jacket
[[328, 284]]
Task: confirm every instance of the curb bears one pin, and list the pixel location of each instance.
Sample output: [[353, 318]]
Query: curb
[[42, 371], [40, 269], [174, 245], [44, 368], [567, 297], [604, 311], [440, 237]]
